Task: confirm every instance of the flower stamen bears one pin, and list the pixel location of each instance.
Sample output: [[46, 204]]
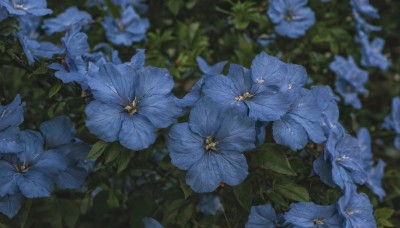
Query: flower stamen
[[245, 96], [132, 108], [210, 144]]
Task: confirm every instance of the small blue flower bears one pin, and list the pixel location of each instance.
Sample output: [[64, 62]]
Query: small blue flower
[[33, 171], [131, 104], [374, 180], [139, 5], [351, 80], [292, 17], [75, 43], [11, 204], [208, 71], [392, 121], [151, 223], [342, 163], [130, 28], [12, 115], [266, 39], [371, 53], [327, 102], [23, 7], [209, 203], [256, 92], [363, 7], [262, 216], [59, 133], [356, 209], [66, 20], [72, 69], [35, 50], [9, 141], [308, 214], [300, 123], [364, 142], [211, 146]]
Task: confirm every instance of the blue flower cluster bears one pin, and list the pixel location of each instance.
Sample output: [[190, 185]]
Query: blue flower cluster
[[371, 53], [291, 17], [392, 121], [351, 80], [33, 162]]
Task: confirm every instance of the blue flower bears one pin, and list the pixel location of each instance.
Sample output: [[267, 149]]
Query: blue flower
[[266, 39], [262, 216], [254, 92], [300, 123], [327, 102], [139, 5], [28, 25], [3, 13], [23, 7], [292, 17], [33, 171], [374, 179], [351, 80], [209, 203], [11, 204], [363, 7], [308, 214], [342, 162], [75, 43], [364, 142], [130, 28], [72, 69], [356, 209], [211, 146], [208, 71], [64, 21], [35, 50], [371, 53], [9, 141], [12, 115], [151, 223], [392, 121], [59, 133], [131, 104]]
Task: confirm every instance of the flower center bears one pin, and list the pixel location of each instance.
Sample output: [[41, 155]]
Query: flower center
[[19, 6], [210, 144], [319, 222], [121, 27], [245, 96], [289, 16], [349, 212], [341, 158], [132, 107], [22, 168]]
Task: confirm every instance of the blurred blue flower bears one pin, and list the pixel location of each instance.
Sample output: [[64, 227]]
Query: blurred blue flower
[[292, 17], [64, 21], [255, 93], [59, 133], [374, 179], [28, 25], [196, 93], [130, 28], [209, 203], [11, 204], [300, 123], [371, 53], [211, 146], [139, 5], [392, 121], [33, 171], [356, 209], [262, 216], [363, 7], [35, 50], [3, 13], [23, 7], [131, 104], [151, 223], [12, 115], [266, 39], [351, 80], [327, 102], [308, 214]]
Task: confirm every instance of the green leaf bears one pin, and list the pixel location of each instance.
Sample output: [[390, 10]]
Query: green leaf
[[70, 211], [112, 200], [292, 191], [174, 6], [171, 211], [384, 213], [185, 214], [123, 160], [187, 191], [112, 153], [384, 223], [54, 90], [271, 157], [97, 150], [243, 194]]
